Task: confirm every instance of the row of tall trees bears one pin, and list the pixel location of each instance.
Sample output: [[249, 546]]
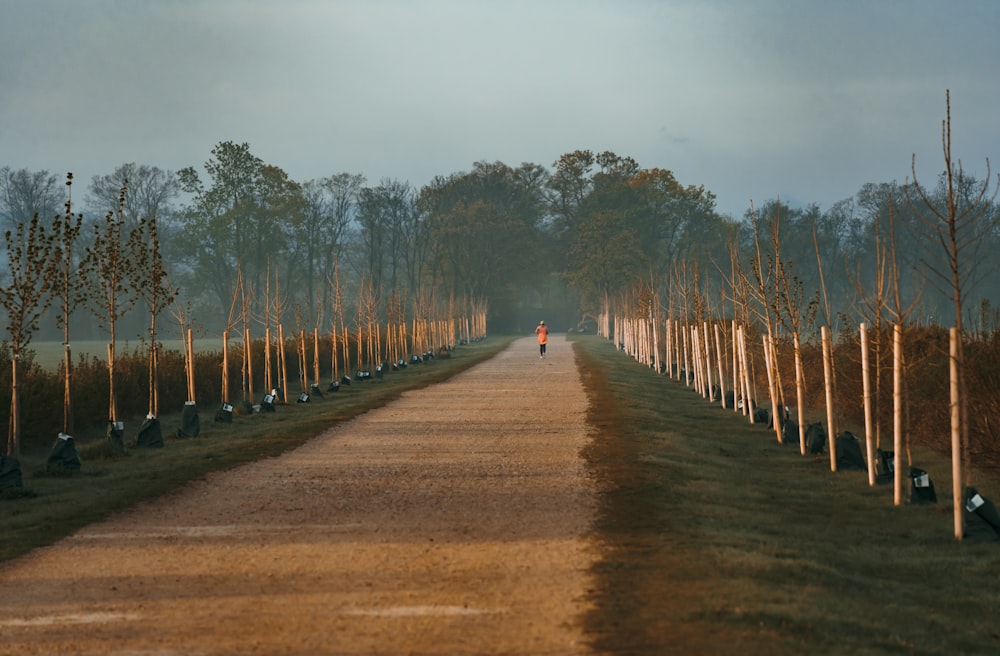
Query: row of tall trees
[[54, 262], [911, 267], [518, 236], [528, 238], [596, 236]]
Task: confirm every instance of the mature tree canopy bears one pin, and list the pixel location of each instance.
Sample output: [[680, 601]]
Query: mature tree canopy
[[595, 221], [244, 218], [24, 193], [484, 231]]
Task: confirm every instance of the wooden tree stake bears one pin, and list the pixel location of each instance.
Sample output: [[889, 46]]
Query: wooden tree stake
[[866, 387], [956, 435], [897, 414], [828, 382]]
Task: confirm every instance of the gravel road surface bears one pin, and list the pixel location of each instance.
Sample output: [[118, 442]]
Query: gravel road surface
[[455, 520]]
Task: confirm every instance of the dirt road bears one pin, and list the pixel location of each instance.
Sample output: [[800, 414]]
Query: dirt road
[[453, 521]]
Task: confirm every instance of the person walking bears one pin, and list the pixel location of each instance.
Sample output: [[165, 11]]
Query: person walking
[[543, 338]]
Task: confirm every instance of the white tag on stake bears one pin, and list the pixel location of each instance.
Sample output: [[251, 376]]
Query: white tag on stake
[[974, 502]]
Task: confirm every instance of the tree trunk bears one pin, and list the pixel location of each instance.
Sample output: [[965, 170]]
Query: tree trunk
[[334, 367], [190, 359], [14, 432], [268, 372], [956, 435], [897, 414], [225, 366], [68, 427], [152, 363], [800, 392], [866, 387], [347, 351], [301, 352], [248, 358], [155, 383], [718, 357], [112, 404], [686, 337], [656, 345], [708, 362], [828, 382], [315, 355], [745, 367], [737, 385], [283, 361], [669, 347], [772, 365]]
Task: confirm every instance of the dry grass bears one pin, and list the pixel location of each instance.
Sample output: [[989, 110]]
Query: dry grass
[[717, 540]]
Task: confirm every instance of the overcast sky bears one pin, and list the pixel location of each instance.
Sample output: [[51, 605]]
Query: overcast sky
[[751, 98]]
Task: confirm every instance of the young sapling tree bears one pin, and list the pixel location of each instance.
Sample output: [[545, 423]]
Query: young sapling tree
[[67, 291], [960, 228], [150, 283], [25, 298], [109, 297]]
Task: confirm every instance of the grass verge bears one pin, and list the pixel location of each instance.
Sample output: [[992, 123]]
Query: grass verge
[[50, 507], [717, 540]]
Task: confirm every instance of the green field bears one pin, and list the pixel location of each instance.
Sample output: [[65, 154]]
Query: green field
[[718, 540]]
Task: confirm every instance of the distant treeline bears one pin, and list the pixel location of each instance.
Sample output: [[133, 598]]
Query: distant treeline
[[529, 238]]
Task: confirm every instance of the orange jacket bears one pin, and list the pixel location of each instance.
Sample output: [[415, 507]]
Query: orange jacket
[[543, 334]]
